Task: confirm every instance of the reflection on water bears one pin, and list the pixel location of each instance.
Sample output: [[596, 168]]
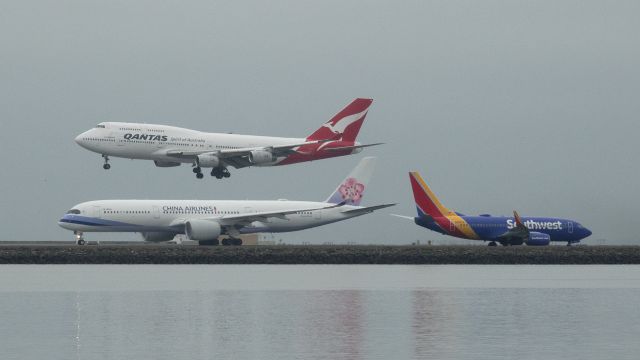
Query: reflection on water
[[116, 321]]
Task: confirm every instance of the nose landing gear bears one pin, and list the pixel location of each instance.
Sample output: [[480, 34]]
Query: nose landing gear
[[79, 238]]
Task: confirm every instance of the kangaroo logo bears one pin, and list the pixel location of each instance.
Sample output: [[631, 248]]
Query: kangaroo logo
[[339, 126]]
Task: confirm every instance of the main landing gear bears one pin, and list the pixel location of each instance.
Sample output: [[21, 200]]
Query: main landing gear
[[224, 242], [79, 238], [218, 172], [231, 242], [106, 165]]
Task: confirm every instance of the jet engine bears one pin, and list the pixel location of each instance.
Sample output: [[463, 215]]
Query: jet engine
[[538, 239], [261, 157], [157, 236], [202, 230], [165, 163], [209, 160]]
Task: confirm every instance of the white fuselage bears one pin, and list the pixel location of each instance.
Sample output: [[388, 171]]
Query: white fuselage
[[170, 215], [151, 141]]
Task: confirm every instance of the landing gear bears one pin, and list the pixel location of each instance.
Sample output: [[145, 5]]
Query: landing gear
[[198, 171], [213, 242], [569, 243], [106, 165], [220, 172], [79, 238], [493, 243], [231, 242]]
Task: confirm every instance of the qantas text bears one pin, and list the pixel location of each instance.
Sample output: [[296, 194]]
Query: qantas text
[[129, 136]]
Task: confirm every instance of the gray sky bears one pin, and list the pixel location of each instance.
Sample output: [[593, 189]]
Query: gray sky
[[500, 105]]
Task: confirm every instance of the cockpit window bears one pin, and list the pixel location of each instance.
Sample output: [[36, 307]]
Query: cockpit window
[[100, 126], [73, 211]]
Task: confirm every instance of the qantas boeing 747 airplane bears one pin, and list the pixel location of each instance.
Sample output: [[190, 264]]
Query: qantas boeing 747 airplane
[[206, 220], [533, 231], [171, 146]]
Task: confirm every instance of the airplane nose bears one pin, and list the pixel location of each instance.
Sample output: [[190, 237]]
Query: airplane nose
[[78, 139], [64, 225]]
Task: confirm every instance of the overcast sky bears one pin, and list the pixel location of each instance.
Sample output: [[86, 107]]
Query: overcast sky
[[501, 105]]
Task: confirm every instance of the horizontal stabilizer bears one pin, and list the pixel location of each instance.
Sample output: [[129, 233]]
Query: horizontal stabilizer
[[352, 147], [367, 209], [403, 217]]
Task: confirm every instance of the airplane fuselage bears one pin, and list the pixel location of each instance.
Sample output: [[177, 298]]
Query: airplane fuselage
[[169, 216], [153, 142], [490, 228]]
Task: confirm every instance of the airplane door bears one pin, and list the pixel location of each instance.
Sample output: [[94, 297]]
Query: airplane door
[[452, 226], [96, 212], [570, 227], [156, 212]]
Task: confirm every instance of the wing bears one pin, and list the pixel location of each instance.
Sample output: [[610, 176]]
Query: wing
[[246, 219], [239, 158], [520, 231]]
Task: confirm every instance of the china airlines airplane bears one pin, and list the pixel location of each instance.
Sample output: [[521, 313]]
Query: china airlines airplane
[[206, 220], [171, 146]]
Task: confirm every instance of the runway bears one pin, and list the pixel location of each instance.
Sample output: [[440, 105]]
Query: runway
[[144, 253]]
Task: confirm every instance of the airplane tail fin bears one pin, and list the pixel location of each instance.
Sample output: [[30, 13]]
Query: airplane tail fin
[[346, 124], [351, 190], [426, 201]]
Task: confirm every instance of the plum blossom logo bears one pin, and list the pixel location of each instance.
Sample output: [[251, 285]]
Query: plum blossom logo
[[352, 190]]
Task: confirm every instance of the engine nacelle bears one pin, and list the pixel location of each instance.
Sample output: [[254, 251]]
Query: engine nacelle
[[261, 157], [157, 236], [209, 160], [165, 163], [538, 239], [202, 230]]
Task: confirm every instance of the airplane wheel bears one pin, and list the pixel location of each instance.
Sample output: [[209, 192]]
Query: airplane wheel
[[213, 242], [196, 170], [80, 242], [493, 243], [106, 166], [226, 174], [237, 242], [218, 176], [199, 175]]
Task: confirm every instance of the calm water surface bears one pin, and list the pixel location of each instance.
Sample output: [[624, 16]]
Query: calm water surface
[[319, 312]]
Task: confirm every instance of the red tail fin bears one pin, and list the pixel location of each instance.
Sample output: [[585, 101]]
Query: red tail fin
[[346, 124]]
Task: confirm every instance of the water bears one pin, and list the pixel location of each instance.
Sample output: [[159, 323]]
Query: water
[[319, 312]]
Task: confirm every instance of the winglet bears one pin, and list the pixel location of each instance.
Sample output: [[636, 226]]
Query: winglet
[[519, 222]]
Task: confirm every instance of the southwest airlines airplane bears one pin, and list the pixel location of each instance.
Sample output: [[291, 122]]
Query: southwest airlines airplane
[[171, 146], [496, 229], [206, 220]]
